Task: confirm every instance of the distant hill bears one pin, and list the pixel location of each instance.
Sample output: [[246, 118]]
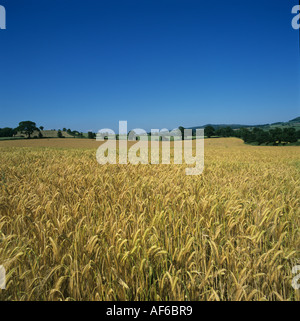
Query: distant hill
[[217, 126], [295, 120], [292, 123]]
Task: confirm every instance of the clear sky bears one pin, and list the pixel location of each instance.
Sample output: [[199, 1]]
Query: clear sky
[[85, 65]]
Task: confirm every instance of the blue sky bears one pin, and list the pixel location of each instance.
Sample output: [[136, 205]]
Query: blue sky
[[86, 65]]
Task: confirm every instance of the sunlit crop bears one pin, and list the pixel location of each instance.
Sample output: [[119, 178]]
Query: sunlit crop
[[71, 229]]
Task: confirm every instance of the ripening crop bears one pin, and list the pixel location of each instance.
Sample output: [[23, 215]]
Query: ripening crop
[[71, 229]]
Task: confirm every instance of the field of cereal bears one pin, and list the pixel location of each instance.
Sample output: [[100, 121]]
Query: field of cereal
[[71, 229]]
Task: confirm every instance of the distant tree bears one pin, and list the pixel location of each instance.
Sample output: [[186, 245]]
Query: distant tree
[[27, 127], [7, 132], [276, 136], [243, 132], [41, 127], [289, 135], [59, 134], [209, 131], [225, 132], [237, 133], [91, 135], [228, 131], [220, 132], [256, 130], [64, 129], [40, 135], [182, 131], [247, 135], [261, 136], [75, 133]]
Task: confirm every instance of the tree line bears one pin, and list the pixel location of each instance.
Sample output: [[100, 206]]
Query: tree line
[[25, 127], [274, 136], [29, 127]]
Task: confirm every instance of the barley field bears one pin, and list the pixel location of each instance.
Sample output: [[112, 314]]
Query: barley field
[[71, 229]]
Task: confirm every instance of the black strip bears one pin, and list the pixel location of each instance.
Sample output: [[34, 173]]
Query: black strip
[[201, 311]]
